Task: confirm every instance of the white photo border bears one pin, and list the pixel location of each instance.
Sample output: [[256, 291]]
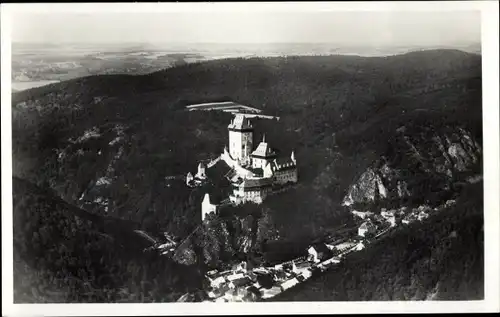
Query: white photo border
[[489, 51]]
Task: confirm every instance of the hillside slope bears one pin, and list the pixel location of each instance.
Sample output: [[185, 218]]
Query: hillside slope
[[441, 258], [64, 255]]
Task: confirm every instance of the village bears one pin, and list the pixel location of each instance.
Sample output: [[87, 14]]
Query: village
[[263, 283]]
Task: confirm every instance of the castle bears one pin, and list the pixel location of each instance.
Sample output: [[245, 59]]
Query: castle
[[255, 172]]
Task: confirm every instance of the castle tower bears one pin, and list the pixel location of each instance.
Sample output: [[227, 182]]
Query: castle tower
[[293, 157], [240, 139], [189, 178], [207, 207], [201, 171], [262, 154]]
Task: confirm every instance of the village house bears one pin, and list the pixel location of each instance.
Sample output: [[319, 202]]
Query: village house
[[366, 229], [240, 282], [362, 214], [289, 284], [422, 215], [235, 276], [360, 246], [318, 252], [217, 282], [306, 274], [389, 216], [279, 275], [409, 219], [254, 290], [270, 292]]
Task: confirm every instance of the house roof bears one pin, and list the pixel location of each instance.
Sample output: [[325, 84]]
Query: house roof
[[219, 280], [289, 283], [301, 265], [254, 290], [241, 281], [367, 225], [320, 248], [235, 276]]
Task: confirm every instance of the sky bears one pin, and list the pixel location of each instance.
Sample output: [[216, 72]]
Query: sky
[[343, 28]]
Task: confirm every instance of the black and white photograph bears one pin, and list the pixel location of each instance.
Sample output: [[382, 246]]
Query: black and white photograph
[[268, 153]]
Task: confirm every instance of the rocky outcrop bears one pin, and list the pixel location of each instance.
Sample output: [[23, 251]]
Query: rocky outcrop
[[221, 241], [420, 162]]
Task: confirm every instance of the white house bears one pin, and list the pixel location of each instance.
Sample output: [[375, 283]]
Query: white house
[[366, 228], [423, 215], [360, 246], [235, 276], [362, 214], [318, 252], [289, 284], [217, 282]]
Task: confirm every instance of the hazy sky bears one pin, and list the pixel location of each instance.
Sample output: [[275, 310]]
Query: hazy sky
[[354, 28]]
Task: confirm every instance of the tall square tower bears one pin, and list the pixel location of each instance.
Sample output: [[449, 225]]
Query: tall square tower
[[240, 139]]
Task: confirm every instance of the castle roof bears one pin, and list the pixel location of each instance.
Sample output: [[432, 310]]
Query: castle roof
[[255, 183], [240, 123], [263, 150], [283, 163], [206, 199]]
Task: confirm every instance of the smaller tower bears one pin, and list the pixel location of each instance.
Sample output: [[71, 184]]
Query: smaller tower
[[294, 268], [189, 178], [268, 170], [207, 207], [201, 171], [293, 157]]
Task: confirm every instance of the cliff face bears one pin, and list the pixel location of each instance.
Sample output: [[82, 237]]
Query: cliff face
[[420, 163], [222, 241]]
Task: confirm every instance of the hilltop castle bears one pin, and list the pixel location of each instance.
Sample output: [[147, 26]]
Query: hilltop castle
[[255, 172]]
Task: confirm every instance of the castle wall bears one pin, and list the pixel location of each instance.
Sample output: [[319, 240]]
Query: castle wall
[[285, 176]]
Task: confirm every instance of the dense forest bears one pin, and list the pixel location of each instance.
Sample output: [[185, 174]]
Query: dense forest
[[64, 254], [107, 144]]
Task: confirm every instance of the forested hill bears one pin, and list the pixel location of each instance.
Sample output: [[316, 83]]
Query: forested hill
[[106, 143], [64, 254], [441, 258]]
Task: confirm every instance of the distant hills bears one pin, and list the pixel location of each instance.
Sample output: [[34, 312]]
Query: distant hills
[[47, 62]]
